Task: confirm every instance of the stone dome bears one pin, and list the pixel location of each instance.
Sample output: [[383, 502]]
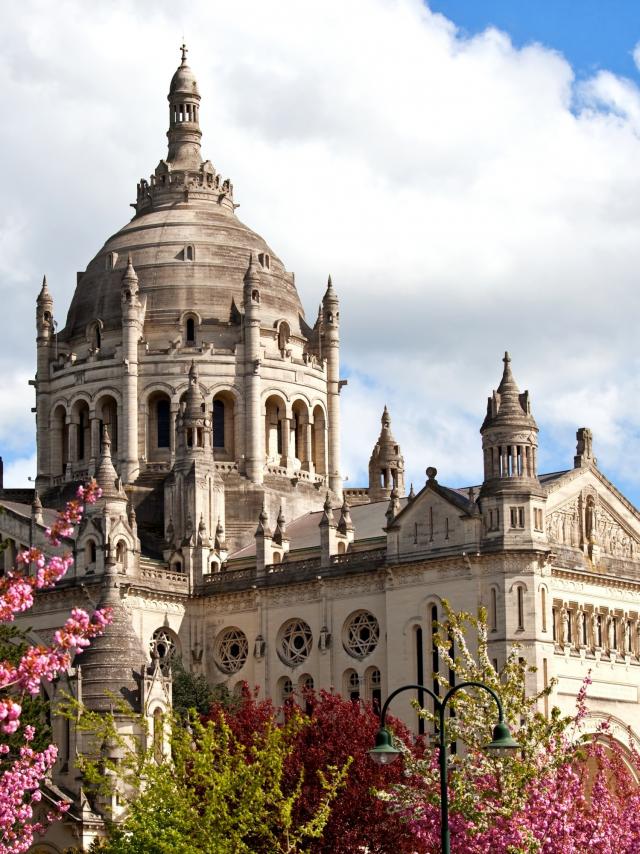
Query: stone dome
[[187, 245], [208, 285]]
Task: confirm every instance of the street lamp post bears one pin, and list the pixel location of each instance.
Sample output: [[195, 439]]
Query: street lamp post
[[384, 752]]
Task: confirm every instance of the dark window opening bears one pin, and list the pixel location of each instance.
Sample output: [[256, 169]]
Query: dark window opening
[[218, 424], [163, 423], [191, 331], [420, 674]]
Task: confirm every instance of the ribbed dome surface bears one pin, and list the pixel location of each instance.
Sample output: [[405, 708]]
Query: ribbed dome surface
[[209, 284]]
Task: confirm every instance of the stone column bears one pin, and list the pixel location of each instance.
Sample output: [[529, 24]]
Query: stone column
[[128, 438], [72, 440], [285, 428], [254, 426]]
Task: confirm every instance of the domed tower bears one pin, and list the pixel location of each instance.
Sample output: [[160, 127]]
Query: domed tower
[[511, 496], [186, 281], [386, 465]]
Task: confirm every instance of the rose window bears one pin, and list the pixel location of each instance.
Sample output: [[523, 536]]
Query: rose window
[[295, 641], [361, 634], [232, 649]]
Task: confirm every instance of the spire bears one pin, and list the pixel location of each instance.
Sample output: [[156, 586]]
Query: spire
[[106, 475], [252, 270], [507, 405], [130, 275], [184, 128], [330, 294], [263, 523], [36, 509], [394, 507], [327, 513], [345, 523], [113, 663], [45, 295]]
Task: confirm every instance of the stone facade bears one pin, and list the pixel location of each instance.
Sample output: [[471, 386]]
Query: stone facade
[[188, 381]]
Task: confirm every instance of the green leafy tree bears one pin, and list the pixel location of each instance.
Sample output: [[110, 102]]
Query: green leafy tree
[[212, 795]]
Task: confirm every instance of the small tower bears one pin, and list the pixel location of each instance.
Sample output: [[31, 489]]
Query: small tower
[[133, 310], [193, 491], [194, 428], [45, 328], [254, 462], [386, 466], [184, 132], [331, 352], [511, 497]]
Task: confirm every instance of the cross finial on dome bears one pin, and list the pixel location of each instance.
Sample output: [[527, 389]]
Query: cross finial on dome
[[184, 50]]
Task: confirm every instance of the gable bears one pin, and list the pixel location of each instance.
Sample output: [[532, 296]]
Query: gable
[[433, 521], [584, 509]]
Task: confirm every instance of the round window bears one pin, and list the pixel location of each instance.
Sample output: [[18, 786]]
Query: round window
[[231, 650], [294, 642], [361, 634]]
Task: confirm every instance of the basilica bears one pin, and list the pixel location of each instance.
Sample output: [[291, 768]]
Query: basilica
[[189, 382]]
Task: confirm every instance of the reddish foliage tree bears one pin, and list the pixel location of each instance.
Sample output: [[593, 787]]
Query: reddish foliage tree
[[336, 730]]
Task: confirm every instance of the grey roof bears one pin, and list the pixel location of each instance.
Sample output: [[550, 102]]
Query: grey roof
[[304, 532], [49, 516]]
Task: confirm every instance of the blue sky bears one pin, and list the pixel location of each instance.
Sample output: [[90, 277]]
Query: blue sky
[[592, 34], [471, 191]]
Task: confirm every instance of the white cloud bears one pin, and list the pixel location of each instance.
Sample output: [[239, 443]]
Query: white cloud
[[18, 472], [468, 197]]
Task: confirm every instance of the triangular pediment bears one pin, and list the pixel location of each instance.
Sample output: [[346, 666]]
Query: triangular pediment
[[584, 509]]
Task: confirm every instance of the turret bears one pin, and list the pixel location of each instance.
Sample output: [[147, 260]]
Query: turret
[[45, 327], [386, 465], [254, 462], [511, 497], [44, 313], [331, 351], [184, 132]]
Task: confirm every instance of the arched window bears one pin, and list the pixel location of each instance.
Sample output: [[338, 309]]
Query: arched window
[[352, 685], [374, 688], [284, 333], [91, 552], [190, 331], [218, 424], [120, 552], [189, 253], [163, 423], [520, 595], [543, 607], [493, 610], [286, 690]]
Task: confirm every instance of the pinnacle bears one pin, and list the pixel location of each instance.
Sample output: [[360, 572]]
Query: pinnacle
[[252, 269], [130, 273]]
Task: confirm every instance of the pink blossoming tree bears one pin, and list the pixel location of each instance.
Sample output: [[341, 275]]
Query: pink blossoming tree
[[567, 791], [21, 775]]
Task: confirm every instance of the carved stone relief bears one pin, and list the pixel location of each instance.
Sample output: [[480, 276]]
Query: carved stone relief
[[584, 520]]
